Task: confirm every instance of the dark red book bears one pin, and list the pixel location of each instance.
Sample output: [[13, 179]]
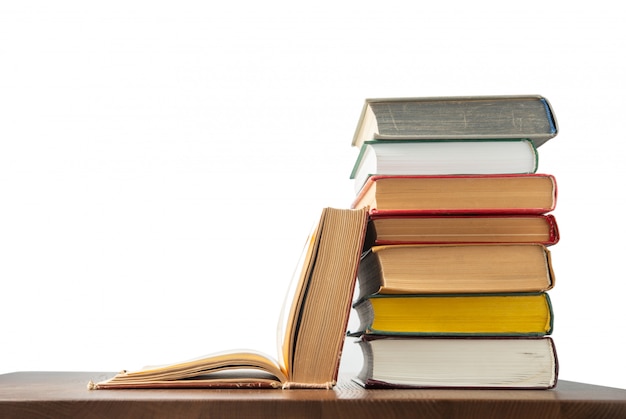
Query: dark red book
[[461, 229]]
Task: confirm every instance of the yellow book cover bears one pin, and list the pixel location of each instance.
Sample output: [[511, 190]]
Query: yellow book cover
[[515, 314]]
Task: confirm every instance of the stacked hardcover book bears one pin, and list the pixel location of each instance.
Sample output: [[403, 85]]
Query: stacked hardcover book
[[454, 278]]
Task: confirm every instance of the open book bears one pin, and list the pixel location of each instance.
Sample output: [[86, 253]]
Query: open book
[[312, 328]]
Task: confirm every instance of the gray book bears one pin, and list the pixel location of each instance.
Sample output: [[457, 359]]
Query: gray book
[[470, 117]]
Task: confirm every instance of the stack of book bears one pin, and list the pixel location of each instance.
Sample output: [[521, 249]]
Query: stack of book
[[453, 281]]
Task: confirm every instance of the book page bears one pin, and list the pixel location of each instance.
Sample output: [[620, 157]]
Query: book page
[[207, 371], [288, 322]]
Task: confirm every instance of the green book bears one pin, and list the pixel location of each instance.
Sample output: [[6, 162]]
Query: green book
[[463, 117]]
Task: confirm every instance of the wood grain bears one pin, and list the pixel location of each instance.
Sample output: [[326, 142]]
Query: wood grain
[[65, 394]]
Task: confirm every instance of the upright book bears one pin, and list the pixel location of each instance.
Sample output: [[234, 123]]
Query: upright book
[[462, 194], [313, 329], [478, 362], [468, 117]]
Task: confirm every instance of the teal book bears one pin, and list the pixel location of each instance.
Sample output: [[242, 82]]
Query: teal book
[[444, 157]]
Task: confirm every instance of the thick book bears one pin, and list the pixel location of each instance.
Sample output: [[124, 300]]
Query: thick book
[[462, 117], [312, 330], [478, 362], [444, 157], [455, 268], [458, 194], [462, 229], [514, 314]]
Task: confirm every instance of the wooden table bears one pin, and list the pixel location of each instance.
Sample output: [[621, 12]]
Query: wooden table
[[65, 394]]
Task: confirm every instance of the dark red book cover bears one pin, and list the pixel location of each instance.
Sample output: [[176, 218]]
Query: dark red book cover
[[487, 229]]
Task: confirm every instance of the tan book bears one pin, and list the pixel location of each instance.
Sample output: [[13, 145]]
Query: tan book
[[312, 330], [465, 117], [447, 268]]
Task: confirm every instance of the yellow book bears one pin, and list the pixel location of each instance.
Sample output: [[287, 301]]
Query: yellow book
[[515, 314]]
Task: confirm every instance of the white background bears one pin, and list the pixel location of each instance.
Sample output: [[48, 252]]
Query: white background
[[161, 163]]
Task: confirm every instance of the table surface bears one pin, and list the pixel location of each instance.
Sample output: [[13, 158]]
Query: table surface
[[65, 394]]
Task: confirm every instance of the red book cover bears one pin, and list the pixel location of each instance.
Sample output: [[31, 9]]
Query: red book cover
[[459, 194]]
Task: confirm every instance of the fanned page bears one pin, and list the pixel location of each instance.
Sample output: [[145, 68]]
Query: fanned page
[[245, 369], [288, 324]]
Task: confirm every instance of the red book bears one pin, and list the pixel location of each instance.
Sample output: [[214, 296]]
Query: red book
[[458, 194]]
